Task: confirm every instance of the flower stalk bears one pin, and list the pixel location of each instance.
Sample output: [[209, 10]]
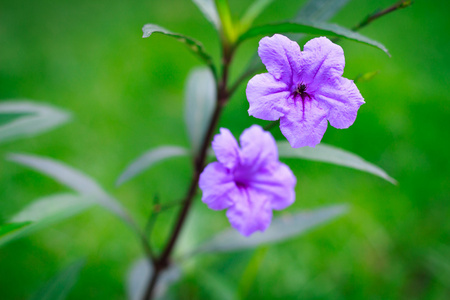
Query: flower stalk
[[223, 95]]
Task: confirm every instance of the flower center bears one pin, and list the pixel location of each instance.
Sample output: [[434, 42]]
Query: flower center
[[300, 91]]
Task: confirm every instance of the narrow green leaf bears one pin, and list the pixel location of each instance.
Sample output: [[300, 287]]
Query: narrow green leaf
[[200, 102], [229, 30], [42, 213], [333, 155], [314, 28], [36, 118], [139, 276], [282, 228], [73, 179], [195, 46], [10, 228], [209, 10], [253, 11], [148, 160], [59, 287], [6, 118]]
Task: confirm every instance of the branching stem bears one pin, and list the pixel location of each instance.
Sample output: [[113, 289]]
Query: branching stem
[[163, 261]]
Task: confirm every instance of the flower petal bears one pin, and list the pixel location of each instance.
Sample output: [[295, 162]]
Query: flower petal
[[321, 59], [252, 212], [278, 181], [281, 56], [267, 97], [226, 148], [305, 124], [343, 100], [218, 186], [258, 147]]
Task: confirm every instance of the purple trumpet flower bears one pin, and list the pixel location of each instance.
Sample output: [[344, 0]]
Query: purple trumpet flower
[[249, 180], [303, 89]]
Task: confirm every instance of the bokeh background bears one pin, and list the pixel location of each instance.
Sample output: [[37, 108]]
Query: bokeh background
[[126, 96]]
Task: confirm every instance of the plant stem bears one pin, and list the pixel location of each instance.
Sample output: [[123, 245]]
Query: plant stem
[[163, 261], [378, 14], [372, 17]]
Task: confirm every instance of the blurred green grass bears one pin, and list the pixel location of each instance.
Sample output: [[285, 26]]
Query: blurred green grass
[[126, 95]]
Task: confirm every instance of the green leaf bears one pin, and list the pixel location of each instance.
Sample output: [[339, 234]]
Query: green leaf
[[148, 160], [320, 10], [6, 118], [139, 276], [333, 155], [73, 179], [314, 28], [42, 213], [209, 10], [10, 228], [254, 10], [36, 118], [228, 28], [195, 46], [282, 228], [59, 287], [200, 102]]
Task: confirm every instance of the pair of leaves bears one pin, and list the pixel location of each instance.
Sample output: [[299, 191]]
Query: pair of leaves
[[310, 20], [322, 153], [22, 118], [71, 178], [51, 209], [314, 28]]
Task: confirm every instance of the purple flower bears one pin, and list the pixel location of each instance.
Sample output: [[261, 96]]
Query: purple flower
[[303, 89], [249, 181]]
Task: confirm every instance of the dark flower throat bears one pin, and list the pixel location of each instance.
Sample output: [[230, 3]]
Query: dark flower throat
[[300, 91]]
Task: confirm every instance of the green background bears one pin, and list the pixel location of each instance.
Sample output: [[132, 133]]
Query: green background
[[126, 96]]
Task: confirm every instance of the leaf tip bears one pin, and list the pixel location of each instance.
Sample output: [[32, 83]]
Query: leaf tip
[[392, 180], [342, 209]]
